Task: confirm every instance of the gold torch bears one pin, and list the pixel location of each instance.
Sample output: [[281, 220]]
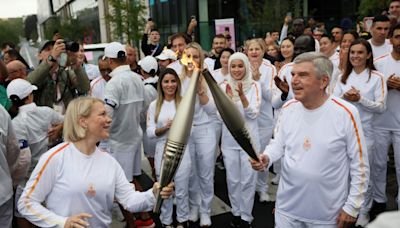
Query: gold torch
[[231, 116], [178, 133]]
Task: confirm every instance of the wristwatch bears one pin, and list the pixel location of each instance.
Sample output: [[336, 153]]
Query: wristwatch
[[51, 59]]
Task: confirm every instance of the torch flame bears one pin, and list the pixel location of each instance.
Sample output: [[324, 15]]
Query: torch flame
[[188, 62]]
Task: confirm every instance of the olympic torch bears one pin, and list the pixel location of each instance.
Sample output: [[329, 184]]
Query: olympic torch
[[231, 116], [178, 134]]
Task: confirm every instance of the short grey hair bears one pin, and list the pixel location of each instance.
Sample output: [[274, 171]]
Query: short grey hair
[[323, 66]]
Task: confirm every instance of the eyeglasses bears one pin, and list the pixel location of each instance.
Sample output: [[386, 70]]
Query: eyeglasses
[[105, 71]]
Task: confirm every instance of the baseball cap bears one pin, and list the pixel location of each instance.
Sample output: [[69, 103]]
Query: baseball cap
[[44, 44], [20, 87], [114, 50], [167, 54], [148, 63]]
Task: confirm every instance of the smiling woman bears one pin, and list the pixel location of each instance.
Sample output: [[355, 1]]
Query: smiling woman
[[81, 176]]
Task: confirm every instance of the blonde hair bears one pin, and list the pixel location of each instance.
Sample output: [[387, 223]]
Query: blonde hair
[[196, 46], [257, 41], [77, 108]]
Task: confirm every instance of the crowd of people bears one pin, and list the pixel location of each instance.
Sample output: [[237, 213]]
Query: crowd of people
[[320, 106]]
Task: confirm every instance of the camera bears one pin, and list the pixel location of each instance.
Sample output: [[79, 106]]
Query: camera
[[71, 46]]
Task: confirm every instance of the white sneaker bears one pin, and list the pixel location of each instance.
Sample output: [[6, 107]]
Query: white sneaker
[[264, 197], [194, 214], [275, 180], [205, 220], [363, 220]]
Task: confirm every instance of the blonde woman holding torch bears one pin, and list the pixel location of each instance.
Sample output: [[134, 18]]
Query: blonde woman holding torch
[[203, 139]]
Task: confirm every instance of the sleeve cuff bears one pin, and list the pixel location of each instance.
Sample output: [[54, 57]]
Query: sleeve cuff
[[350, 210]]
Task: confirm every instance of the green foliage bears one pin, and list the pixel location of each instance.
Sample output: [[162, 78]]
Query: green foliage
[[372, 7], [128, 19], [70, 29], [11, 30], [261, 16]]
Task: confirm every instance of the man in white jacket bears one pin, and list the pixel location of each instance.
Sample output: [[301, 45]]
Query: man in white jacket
[[325, 169]]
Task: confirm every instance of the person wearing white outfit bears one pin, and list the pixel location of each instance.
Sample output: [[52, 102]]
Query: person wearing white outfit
[[148, 69], [79, 182], [365, 87], [98, 85], [326, 169], [202, 141], [221, 75], [379, 32], [387, 124], [241, 179], [328, 49], [264, 73], [31, 126], [159, 119], [9, 155]]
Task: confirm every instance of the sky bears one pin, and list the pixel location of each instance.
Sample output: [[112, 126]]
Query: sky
[[17, 8]]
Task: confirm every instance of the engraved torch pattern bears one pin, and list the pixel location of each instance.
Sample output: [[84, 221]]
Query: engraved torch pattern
[[231, 116], [177, 137]]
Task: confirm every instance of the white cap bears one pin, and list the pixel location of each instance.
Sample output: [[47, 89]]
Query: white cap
[[148, 63], [114, 50], [20, 87], [167, 54]]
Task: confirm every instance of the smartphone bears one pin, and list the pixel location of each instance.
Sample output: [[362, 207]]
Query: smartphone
[[193, 17]]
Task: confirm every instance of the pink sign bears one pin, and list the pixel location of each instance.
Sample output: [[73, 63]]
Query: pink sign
[[227, 28]]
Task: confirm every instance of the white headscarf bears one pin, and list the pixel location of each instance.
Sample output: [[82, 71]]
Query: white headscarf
[[246, 80]]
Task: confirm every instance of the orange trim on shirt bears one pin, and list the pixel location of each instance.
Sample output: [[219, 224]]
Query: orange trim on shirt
[[382, 84], [289, 103], [362, 166], [273, 69], [381, 57], [28, 195]]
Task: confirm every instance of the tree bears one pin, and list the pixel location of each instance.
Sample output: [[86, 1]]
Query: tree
[[372, 7], [30, 27], [11, 30], [128, 19]]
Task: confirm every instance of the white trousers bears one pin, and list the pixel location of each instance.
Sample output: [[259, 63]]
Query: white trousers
[[6, 213], [283, 221], [366, 206], [202, 145], [263, 177], [181, 181], [131, 162], [241, 181], [149, 145], [384, 139]]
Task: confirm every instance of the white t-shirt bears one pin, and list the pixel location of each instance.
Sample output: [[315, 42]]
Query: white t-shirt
[[97, 87], [167, 112], [266, 118], [373, 93], [390, 119], [378, 51], [71, 182], [177, 66], [210, 63], [324, 164], [219, 77], [203, 114], [125, 100], [32, 124]]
